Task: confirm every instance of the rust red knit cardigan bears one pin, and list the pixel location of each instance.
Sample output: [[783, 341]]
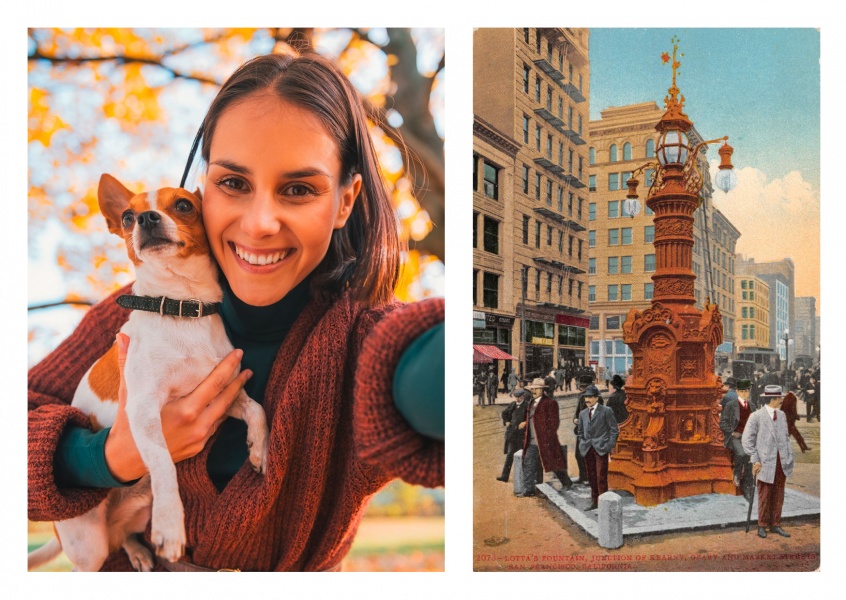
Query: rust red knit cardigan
[[335, 439]]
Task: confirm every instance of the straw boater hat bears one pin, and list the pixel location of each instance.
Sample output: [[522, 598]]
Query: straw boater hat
[[772, 391], [537, 382]]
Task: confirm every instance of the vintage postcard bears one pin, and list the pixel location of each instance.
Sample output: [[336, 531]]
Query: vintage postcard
[[646, 299]]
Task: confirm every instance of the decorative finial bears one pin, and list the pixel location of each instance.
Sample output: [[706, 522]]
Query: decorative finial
[[672, 102]]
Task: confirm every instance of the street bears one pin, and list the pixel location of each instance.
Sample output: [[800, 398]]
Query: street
[[528, 534]]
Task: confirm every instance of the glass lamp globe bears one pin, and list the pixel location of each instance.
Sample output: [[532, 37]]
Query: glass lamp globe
[[726, 180], [673, 147]]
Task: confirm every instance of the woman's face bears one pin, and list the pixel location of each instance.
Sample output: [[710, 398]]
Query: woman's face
[[273, 196]]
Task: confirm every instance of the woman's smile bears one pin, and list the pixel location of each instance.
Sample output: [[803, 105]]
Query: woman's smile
[[260, 261]]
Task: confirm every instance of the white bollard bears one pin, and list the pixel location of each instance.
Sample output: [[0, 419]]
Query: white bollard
[[610, 520]]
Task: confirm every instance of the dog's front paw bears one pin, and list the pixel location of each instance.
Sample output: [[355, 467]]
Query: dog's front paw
[[168, 534], [257, 443]]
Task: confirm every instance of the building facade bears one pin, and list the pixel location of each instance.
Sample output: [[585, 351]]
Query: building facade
[[531, 85], [493, 202], [621, 251], [753, 321], [805, 334], [779, 278]]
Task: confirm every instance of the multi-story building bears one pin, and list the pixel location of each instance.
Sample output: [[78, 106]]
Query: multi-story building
[[753, 321], [493, 244], [622, 255], [804, 328], [817, 338], [779, 277], [531, 86]]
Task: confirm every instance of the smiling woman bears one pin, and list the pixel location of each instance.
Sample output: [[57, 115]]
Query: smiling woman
[[300, 223]]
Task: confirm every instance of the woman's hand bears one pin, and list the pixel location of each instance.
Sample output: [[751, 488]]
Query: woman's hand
[[187, 422]]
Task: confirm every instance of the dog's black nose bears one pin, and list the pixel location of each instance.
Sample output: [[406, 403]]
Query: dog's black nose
[[149, 219]]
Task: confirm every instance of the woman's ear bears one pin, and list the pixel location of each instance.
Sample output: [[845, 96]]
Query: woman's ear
[[349, 195]]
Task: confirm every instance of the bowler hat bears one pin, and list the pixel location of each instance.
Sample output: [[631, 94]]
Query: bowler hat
[[591, 390], [537, 382], [731, 382], [585, 379], [772, 391], [617, 381], [744, 384]]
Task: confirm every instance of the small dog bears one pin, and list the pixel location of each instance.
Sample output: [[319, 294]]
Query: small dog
[[172, 350]]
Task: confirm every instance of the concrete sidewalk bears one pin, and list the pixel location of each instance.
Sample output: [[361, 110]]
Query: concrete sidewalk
[[706, 511]]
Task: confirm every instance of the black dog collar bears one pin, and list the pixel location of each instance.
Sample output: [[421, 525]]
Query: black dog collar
[[192, 309]]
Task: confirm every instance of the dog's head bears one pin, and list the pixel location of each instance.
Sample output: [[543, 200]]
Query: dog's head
[[156, 226]]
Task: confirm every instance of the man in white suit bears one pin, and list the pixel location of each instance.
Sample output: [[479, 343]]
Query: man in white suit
[[767, 442]]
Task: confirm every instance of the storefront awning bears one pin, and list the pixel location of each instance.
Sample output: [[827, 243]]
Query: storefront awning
[[486, 354]]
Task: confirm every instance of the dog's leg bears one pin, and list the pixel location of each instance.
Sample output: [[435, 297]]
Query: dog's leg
[[252, 413], [143, 414], [85, 539]]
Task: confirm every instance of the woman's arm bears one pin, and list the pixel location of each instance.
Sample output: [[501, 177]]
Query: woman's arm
[[51, 387], [383, 434]]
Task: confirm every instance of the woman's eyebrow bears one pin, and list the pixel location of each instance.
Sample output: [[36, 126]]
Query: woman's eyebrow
[[306, 172], [231, 166]]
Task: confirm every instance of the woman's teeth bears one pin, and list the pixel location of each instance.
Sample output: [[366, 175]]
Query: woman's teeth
[[262, 259]]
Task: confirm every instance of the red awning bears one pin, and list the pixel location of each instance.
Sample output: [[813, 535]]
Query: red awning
[[484, 354]]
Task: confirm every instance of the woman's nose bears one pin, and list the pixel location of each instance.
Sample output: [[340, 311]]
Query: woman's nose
[[262, 216]]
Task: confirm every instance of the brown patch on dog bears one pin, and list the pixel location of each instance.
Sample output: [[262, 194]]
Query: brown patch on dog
[[104, 378], [192, 234]]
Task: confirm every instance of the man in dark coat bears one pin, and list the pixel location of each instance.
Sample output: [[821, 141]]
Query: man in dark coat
[[541, 444], [617, 400], [491, 386], [812, 395], [479, 383], [729, 391], [584, 381], [732, 422], [792, 415], [597, 433], [514, 419]]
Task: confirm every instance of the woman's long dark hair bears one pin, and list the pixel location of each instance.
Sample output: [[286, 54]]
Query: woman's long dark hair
[[365, 253]]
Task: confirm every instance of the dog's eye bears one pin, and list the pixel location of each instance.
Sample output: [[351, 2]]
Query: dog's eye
[[184, 206], [127, 219]]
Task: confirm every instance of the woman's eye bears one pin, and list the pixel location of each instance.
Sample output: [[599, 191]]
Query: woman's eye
[[127, 219], [184, 206], [298, 189], [233, 183]]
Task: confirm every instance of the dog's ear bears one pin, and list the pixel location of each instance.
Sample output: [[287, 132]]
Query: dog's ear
[[114, 199], [199, 194]]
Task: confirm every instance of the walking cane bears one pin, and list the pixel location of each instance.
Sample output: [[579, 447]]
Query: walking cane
[[750, 488]]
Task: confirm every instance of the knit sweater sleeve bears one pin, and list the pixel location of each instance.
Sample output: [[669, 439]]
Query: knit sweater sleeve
[[51, 387], [383, 436]]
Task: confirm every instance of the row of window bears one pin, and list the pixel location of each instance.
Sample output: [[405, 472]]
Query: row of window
[[616, 237], [549, 237], [615, 211], [573, 160], [621, 292], [623, 264], [614, 155], [747, 332], [546, 186], [539, 47], [572, 284], [490, 286]]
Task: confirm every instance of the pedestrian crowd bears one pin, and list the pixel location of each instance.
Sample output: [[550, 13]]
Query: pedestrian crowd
[[757, 418]]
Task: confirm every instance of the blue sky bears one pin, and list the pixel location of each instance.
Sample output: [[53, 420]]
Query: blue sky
[[761, 87]]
